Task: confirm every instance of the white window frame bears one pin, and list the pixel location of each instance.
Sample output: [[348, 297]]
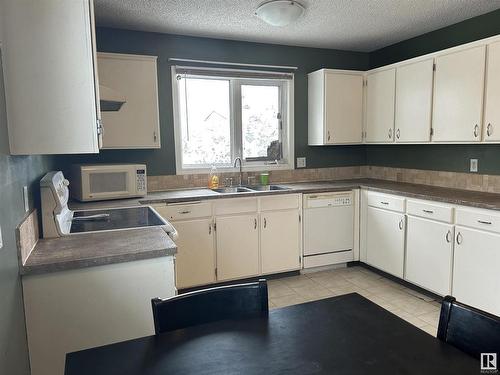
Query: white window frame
[[287, 131]]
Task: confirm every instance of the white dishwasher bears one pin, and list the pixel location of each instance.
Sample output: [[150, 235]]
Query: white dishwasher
[[328, 228]]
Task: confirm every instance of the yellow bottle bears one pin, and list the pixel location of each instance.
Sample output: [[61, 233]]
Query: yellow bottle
[[213, 179]]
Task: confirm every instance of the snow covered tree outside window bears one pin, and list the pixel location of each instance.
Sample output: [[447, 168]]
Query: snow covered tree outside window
[[220, 117], [206, 130], [260, 119]]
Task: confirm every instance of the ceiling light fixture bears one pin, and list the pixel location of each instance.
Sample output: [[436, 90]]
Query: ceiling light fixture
[[279, 12]]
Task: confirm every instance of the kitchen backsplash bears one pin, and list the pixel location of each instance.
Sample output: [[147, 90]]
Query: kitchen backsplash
[[468, 181], [159, 183]]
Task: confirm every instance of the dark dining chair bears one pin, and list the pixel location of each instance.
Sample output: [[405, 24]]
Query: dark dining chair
[[208, 305], [471, 330]]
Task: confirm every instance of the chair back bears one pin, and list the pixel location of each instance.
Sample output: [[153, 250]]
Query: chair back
[[468, 329], [203, 306]]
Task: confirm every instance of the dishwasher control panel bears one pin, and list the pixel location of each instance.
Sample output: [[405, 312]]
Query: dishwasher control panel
[[328, 200]]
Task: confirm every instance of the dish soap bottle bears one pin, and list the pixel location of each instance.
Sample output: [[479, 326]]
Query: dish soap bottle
[[213, 179]]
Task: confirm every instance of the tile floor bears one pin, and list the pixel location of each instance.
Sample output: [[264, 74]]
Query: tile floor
[[420, 310]]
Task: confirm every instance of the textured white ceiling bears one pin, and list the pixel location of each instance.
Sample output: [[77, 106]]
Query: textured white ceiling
[[359, 25]]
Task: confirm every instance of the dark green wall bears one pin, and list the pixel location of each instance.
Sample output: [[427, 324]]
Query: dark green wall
[[165, 46], [463, 32], [437, 157]]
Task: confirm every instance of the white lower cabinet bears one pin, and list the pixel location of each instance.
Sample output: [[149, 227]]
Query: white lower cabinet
[[385, 240], [237, 246], [279, 241], [429, 254], [77, 309], [195, 259], [476, 276]]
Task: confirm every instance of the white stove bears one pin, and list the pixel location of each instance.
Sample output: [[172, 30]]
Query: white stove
[[58, 220]]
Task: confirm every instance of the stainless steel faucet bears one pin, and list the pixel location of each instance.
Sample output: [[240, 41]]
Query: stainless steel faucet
[[240, 180]]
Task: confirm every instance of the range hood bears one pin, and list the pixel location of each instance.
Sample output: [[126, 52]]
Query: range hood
[[111, 100]]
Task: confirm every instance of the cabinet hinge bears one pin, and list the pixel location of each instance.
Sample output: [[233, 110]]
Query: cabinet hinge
[[300, 218], [215, 272], [434, 67], [300, 259], [432, 131], [99, 126], [215, 227]]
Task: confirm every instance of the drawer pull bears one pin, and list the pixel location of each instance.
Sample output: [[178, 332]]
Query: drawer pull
[[386, 203], [401, 224], [209, 228], [428, 211], [185, 212], [484, 222], [265, 222], [448, 236], [459, 238]]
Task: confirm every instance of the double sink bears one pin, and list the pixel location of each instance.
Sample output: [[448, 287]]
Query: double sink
[[249, 189]]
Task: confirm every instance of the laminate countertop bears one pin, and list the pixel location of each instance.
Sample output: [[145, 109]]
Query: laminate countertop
[[440, 194], [97, 249]]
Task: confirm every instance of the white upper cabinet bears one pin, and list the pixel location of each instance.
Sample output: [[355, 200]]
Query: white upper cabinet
[[49, 77], [335, 110], [458, 96], [414, 102], [134, 79], [491, 124], [380, 106]]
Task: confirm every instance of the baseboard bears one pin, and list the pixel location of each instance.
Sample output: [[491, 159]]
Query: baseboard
[[400, 281]]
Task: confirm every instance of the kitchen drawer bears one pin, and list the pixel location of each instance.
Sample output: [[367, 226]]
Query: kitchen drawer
[[281, 202], [479, 219], [235, 206], [183, 211], [386, 201], [430, 210]]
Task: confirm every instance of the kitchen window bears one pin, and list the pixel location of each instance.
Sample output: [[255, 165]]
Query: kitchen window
[[221, 114]]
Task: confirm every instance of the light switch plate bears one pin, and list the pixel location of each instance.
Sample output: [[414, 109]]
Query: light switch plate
[[26, 199], [473, 165], [301, 162]]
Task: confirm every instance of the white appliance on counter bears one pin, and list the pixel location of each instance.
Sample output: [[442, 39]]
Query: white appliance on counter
[[58, 220], [108, 181], [328, 228]]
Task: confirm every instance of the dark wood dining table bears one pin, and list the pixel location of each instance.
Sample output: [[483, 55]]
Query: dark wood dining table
[[347, 334]]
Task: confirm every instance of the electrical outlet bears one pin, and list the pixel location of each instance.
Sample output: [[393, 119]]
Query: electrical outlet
[[473, 165], [301, 162], [26, 199], [1, 240]]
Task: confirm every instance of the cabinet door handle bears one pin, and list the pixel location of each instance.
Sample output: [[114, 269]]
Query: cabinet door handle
[[448, 236], [398, 133], [428, 211], [328, 134], [401, 224], [476, 130], [209, 228], [154, 136], [390, 133], [459, 238], [265, 223], [185, 212], [385, 203], [484, 222], [489, 130], [255, 223]]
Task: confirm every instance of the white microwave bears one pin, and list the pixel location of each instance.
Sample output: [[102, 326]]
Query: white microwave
[[108, 181]]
